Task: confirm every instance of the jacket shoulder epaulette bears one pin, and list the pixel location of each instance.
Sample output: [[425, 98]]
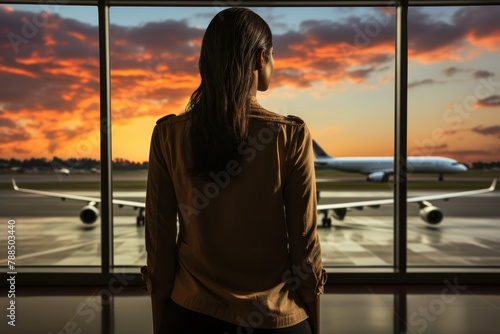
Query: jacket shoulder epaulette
[[164, 118], [295, 119]]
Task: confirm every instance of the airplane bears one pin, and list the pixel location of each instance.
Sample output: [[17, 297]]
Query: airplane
[[428, 212], [379, 169], [63, 171]]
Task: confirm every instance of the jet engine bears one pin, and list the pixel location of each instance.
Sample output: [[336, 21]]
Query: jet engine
[[431, 214], [89, 214], [378, 177]]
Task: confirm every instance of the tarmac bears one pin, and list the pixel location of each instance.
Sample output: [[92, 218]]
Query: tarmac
[[49, 232]]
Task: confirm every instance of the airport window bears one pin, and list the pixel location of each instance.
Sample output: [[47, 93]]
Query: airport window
[[453, 113], [337, 66], [49, 125], [335, 74]]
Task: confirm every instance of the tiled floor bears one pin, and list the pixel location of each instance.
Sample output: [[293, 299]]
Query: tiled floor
[[344, 310]]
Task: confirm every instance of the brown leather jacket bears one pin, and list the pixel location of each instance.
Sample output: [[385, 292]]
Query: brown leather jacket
[[245, 247]]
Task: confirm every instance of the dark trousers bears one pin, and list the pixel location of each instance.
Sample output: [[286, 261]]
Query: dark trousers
[[178, 320]]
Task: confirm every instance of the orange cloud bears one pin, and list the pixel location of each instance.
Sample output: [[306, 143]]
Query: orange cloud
[[17, 71]]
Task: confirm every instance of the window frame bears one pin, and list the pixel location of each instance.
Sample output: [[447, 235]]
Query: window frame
[[397, 274]]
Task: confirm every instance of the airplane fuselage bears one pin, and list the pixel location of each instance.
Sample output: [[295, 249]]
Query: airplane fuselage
[[368, 165]]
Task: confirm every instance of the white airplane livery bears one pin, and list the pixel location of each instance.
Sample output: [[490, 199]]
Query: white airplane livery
[[428, 212], [379, 169]]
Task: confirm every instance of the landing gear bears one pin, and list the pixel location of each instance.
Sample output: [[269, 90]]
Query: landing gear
[[140, 217], [440, 178], [327, 222]]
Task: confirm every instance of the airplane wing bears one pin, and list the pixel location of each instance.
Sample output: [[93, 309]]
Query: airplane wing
[[90, 212], [77, 197], [431, 214]]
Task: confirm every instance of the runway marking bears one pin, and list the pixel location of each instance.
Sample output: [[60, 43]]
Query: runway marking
[[420, 248], [54, 250]]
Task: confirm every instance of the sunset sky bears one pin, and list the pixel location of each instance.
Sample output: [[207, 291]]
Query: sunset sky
[[334, 67]]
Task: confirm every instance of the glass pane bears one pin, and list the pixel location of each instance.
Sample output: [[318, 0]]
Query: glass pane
[[334, 67], [453, 113], [337, 73], [49, 125]]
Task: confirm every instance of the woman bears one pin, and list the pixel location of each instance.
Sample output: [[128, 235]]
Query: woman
[[240, 179]]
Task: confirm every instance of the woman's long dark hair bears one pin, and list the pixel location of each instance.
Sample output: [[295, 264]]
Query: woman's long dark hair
[[219, 107]]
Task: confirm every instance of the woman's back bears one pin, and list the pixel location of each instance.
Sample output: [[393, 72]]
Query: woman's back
[[240, 180], [233, 235]]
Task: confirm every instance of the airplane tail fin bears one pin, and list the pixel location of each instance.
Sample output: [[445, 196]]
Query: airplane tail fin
[[318, 151]]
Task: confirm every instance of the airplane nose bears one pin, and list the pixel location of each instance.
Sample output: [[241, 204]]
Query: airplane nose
[[463, 168]]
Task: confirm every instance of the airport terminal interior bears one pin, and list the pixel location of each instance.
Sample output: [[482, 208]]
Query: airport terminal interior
[[408, 249]]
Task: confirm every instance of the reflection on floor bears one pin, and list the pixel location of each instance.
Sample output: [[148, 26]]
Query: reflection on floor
[[449, 308]]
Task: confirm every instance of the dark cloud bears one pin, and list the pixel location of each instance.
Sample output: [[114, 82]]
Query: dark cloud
[[20, 150], [283, 44], [378, 59], [481, 74], [427, 34], [291, 76], [325, 65], [168, 33], [476, 74], [355, 31], [61, 134], [361, 74], [421, 83], [482, 21], [449, 71], [10, 131], [490, 101], [489, 130], [168, 43], [15, 135], [7, 123]]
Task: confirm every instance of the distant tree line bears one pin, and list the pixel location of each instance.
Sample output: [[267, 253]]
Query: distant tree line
[[44, 164], [56, 163], [485, 165]]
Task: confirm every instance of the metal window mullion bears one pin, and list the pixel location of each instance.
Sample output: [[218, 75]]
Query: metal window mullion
[[400, 138], [105, 134]]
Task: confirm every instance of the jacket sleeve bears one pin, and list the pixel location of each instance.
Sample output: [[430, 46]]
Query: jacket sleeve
[[160, 219], [301, 216]]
